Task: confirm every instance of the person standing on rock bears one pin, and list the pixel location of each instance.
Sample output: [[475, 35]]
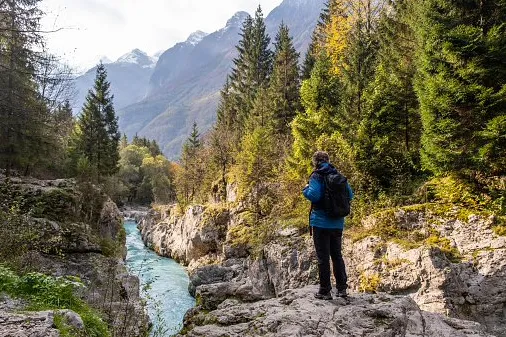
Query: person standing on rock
[[330, 196]]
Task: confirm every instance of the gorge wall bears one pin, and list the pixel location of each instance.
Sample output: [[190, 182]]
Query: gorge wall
[[443, 267], [71, 231]]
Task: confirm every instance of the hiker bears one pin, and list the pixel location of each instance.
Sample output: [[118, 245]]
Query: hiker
[[326, 222]]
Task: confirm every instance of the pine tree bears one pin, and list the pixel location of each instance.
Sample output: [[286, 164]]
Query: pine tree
[[389, 136], [320, 97], [96, 137], [252, 68], [194, 141], [309, 59], [225, 114], [354, 62], [25, 136], [285, 84], [192, 172], [461, 84]]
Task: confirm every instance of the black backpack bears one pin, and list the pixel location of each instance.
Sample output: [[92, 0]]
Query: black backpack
[[336, 200]]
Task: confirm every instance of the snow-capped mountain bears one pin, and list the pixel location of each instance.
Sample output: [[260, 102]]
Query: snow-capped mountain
[[196, 37], [160, 97], [129, 76], [136, 56], [187, 79]]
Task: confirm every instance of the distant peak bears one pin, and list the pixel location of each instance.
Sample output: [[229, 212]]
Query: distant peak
[[237, 19], [196, 37], [136, 56]]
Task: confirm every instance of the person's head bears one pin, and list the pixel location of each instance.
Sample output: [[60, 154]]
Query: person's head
[[320, 157]]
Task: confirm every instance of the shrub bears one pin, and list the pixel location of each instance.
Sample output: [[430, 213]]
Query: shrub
[[369, 283], [52, 293]]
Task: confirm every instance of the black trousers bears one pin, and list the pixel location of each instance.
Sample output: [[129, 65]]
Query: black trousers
[[328, 243]]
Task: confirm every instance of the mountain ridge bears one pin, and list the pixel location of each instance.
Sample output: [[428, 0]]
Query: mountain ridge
[[184, 84]]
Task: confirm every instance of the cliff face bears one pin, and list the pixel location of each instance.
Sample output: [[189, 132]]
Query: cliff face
[[433, 260], [63, 229], [458, 271]]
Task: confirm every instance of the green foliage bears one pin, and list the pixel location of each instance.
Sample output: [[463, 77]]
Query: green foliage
[[252, 234], [143, 177], [444, 245], [256, 168], [96, 137], [320, 99], [251, 72], [460, 84], [492, 153], [51, 293], [284, 83]]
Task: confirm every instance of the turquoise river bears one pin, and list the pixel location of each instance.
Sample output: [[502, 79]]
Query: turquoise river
[[164, 284]]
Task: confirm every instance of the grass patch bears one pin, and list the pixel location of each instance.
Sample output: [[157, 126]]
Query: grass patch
[[390, 264], [444, 245], [52, 293], [253, 233], [369, 283]]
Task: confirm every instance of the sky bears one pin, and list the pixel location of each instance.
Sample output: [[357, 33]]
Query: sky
[[88, 30]]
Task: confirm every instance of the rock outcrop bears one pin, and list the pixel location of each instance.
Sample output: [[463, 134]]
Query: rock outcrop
[[297, 313], [460, 270], [74, 230], [220, 268], [446, 260]]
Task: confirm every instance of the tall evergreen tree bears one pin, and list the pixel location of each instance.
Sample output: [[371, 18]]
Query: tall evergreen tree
[[356, 61], [191, 174], [461, 84], [25, 138], [194, 141], [285, 83], [320, 97], [309, 59], [96, 137], [252, 68], [389, 136]]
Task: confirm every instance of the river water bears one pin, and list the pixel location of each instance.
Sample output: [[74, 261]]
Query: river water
[[164, 284]]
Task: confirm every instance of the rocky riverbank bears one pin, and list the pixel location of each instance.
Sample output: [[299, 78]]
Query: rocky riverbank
[[74, 231], [443, 263]]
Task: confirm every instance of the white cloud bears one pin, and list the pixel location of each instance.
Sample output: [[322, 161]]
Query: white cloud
[[97, 28]]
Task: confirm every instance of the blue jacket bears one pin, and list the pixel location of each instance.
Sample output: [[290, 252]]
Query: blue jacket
[[314, 193]]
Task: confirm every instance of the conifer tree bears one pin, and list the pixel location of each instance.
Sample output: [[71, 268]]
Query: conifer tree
[[96, 136], [461, 84], [225, 114], [194, 141], [320, 97], [192, 172], [388, 145], [25, 136], [285, 84], [354, 58], [309, 59], [252, 68]]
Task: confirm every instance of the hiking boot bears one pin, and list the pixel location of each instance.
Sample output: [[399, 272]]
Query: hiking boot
[[342, 293], [326, 296]]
